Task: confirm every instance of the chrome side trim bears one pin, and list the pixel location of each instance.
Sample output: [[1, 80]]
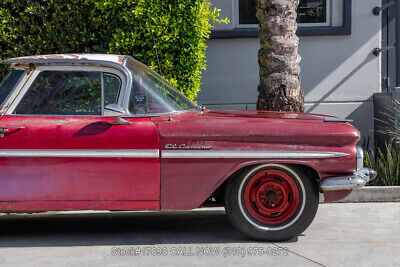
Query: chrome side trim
[[81, 153], [154, 153], [330, 119], [229, 154]]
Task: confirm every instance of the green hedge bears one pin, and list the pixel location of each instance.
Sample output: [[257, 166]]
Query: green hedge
[[180, 28]]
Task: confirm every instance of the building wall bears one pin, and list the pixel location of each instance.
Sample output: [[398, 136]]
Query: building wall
[[339, 73]]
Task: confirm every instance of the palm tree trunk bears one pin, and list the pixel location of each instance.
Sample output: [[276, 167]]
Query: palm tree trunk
[[280, 87]]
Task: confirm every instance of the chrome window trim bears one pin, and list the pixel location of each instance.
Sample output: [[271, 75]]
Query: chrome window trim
[[14, 93], [263, 154], [39, 69], [102, 92], [72, 64], [81, 153], [23, 76], [121, 89], [160, 114], [83, 62]]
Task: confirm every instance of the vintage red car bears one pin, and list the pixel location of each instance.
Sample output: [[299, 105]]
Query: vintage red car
[[105, 132]]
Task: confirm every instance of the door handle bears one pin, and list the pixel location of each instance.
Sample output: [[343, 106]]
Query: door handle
[[3, 129]]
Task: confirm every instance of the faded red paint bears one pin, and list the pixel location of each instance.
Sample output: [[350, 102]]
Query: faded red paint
[[227, 130], [68, 183], [331, 196], [136, 183]]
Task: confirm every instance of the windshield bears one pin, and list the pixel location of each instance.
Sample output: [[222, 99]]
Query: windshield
[[8, 84], [152, 94]]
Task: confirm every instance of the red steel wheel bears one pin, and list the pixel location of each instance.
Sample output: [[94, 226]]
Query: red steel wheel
[[273, 202], [271, 196]]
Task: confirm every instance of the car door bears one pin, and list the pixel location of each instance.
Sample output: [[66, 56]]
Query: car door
[[58, 151]]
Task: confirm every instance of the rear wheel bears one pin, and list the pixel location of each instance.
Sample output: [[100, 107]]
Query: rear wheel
[[272, 202]]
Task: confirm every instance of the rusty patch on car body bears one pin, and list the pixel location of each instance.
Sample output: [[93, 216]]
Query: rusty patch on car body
[[55, 56], [68, 58], [4, 109], [60, 122], [121, 59]]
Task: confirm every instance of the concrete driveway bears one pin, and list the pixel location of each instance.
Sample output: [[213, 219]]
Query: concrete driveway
[[355, 234]]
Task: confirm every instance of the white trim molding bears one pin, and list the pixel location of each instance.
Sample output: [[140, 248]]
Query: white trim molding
[[81, 153], [228, 154], [172, 154]]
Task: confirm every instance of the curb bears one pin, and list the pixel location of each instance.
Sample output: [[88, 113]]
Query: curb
[[371, 194]]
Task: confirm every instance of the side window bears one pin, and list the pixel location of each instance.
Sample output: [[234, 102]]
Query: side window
[[63, 93], [112, 87], [9, 83]]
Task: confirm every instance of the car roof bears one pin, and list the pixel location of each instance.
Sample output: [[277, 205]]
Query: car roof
[[67, 58]]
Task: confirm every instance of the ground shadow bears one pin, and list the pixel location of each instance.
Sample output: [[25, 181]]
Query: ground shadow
[[119, 228]]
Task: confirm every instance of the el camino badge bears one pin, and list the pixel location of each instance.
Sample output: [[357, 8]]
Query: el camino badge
[[184, 146]]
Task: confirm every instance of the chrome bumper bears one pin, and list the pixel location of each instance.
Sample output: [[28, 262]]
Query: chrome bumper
[[348, 182]]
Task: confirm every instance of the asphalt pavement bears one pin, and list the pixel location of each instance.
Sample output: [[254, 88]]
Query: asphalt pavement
[[343, 234]]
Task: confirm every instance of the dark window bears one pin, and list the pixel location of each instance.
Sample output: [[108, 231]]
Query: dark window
[[9, 83], [63, 93], [112, 87], [310, 11], [247, 12]]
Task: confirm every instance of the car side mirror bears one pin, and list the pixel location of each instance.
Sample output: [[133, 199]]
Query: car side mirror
[[115, 111]]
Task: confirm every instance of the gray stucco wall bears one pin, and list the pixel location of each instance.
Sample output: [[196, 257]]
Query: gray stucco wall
[[339, 73]]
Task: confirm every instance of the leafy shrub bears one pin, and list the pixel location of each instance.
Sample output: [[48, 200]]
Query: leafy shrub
[[386, 163], [179, 28], [386, 159], [390, 123]]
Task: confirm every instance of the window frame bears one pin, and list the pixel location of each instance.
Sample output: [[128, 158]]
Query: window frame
[[22, 91], [17, 85], [328, 22], [103, 93], [252, 32]]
